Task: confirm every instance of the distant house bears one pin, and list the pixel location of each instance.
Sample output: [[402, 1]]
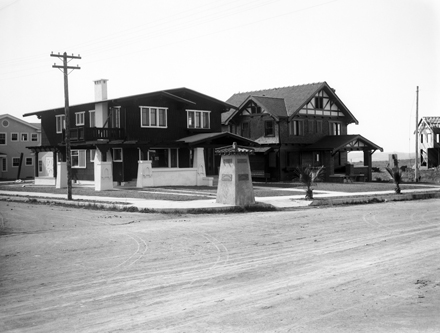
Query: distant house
[[16, 161], [429, 141], [158, 138], [303, 125]]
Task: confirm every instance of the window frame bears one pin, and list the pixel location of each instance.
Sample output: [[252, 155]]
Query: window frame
[[335, 128], [92, 154], [80, 118], [296, 127], [92, 119], [24, 137], [202, 119], [170, 157], [26, 159], [156, 116], [4, 165], [271, 128], [17, 136], [60, 123], [5, 135], [36, 137], [81, 156], [121, 159], [14, 159]]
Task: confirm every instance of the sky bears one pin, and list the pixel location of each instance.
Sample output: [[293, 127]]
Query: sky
[[373, 52]]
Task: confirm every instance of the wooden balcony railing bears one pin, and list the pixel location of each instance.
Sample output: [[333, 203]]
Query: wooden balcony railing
[[92, 134]]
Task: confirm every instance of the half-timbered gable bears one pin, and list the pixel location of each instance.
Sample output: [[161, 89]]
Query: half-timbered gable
[[429, 141]]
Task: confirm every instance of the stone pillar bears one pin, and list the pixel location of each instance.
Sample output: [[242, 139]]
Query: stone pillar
[[61, 178], [103, 172], [145, 174], [199, 164], [235, 182]]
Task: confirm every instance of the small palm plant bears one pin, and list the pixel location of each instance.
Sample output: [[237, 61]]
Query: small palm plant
[[308, 176], [396, 175]]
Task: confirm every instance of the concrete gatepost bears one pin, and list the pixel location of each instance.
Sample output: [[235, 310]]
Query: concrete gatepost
[[199, 165], [103, 172], [61, 180], [235, 181], [145, 174]]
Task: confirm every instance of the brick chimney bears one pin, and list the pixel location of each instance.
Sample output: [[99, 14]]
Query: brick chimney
[[100, 90]]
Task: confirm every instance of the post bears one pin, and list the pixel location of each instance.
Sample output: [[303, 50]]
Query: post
[[416, 172], [64, 58]]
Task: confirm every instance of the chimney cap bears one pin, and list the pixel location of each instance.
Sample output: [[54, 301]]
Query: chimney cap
[[100, 81]]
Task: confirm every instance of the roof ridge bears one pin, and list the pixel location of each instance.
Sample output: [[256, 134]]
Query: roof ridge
[[292, 86]]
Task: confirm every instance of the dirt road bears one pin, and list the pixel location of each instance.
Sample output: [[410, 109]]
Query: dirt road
[[372, 268]]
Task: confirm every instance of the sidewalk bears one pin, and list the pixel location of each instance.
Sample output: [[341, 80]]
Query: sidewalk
[[288, 202]]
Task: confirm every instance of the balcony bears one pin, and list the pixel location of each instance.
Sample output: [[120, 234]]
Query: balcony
[[82, 134]]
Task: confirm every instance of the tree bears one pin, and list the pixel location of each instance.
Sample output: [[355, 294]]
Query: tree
[[308, 176]]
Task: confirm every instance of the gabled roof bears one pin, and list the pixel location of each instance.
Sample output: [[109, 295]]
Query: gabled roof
[[275, 106], [179, 94], [432, 122], [33, 125], [335, 143], [295, 97]]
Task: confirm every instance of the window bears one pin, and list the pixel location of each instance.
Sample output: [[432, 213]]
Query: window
[[153, 117], [117, 154], [269, 128], [297, 127], [245, 130], [335, 128], [40, 166], [311, 126], [318, 127], [319, 102], [2, 138], [34, 137], [60, 123], [5, 123], [164, 157], [29, 161], [15, 162], [117, 117], [24, 137], [92, 155], [92, 118], [199, 119], [437, 136], [4, 164], [14, 136], [79, 118], [78, 158]]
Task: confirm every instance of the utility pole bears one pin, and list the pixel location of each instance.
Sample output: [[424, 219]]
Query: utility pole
[[416, 173], [64, 57]]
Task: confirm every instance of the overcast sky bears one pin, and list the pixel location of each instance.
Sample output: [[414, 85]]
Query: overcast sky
[[373, 52]]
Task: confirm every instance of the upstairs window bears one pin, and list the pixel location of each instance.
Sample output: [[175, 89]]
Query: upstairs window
[[34, 137], [117, 117], [153, 117], [199, 119], [335, 128], [2, 138], [92, 118], [319, 102], [79, 118], [60, 123], [269, 129], [14, 136], [245, 130], [24, 137], [296, 128]]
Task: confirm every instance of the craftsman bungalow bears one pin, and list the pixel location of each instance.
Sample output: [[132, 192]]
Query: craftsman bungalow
[[298, 126], [154, 139], [429, 141]]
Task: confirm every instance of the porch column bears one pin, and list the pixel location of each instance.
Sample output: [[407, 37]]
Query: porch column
[[36, 165], [367, 163], [103, 171]]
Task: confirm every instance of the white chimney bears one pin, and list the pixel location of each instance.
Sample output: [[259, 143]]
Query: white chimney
[[101, 90], [101, 109]]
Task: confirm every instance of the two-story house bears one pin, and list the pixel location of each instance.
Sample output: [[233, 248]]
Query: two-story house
[[16, 161], [297, 126], [159, 138], [429, 141]]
